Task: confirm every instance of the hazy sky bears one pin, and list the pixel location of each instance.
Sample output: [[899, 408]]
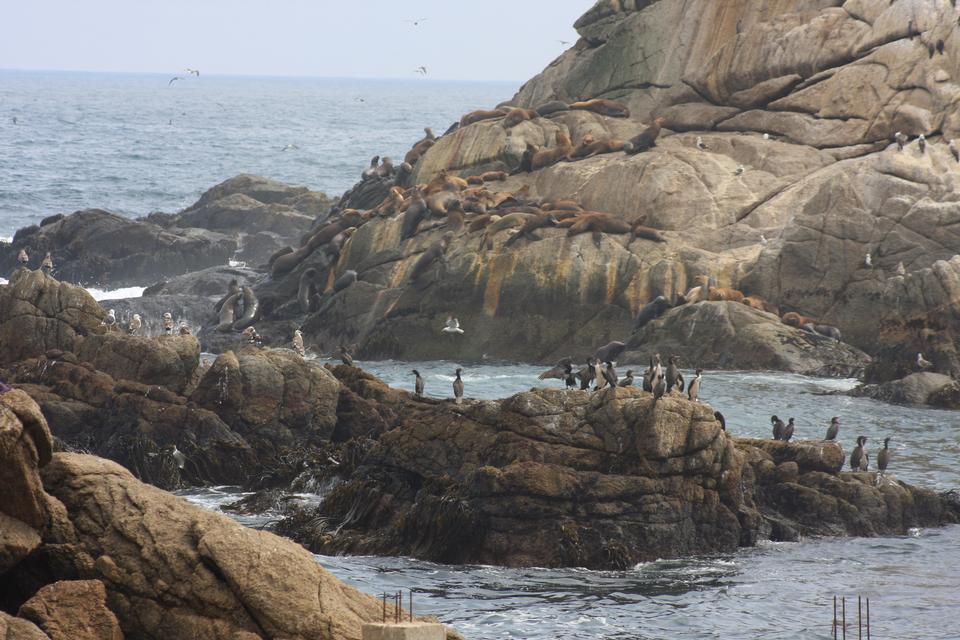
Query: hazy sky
[[480, 40]]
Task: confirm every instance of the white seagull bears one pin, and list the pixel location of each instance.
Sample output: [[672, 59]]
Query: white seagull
[[453, 325]]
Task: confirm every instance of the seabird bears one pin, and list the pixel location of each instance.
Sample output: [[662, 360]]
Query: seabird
[[23, 257], [610, 374], [868, 261], [421, 70], [179, 459], [901, 270], [739, 170], [416, 23], [167, 322], [47, 265], [659, 387], [778, 427], [627, 379], [693, 392], [766, 136], [110, 322], [586, 374], [922, 362], [344, 354], [418, 383], [701, 144], [721, 420], [185, 328], [834, 429], [564, 42], [859, 458], [251, 335], [458, 387], [290, 147], [788, 430], [922, 143], [883, 458], [563, 366], [135, 324], [673, 374], [570, 378], [763, 239], [901, 139], [298, 343], [954, 150], [174, 79], [193, 72], [453, 325]]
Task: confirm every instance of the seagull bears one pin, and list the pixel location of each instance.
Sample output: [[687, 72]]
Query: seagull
[[174, 79], [185, 328], [901, 139], [739, 171], [178, 457], [953, 149], [47, 265], [701, 144], [290, 147], [868, 260], [922, 143], [453, 325], [23, 257], [417, 22], [421, 70], [763, 239], [901, 270], [922, 362], [110, 322], [766, 136], [167, 322], [193, 72], [135, 324], [298, 343]]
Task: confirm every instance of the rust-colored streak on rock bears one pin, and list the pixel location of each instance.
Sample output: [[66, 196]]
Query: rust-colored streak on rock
[[500, 269]]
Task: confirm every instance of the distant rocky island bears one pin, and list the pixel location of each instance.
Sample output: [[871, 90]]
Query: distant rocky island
[[752, 187]]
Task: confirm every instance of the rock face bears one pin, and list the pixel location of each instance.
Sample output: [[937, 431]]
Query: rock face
[[168, 360], [727, 335], [932, 389], [611, 479], [153, 566]]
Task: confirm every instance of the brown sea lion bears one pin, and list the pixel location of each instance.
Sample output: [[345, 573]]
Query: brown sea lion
[[759, 303], [481, 221], [385, 170], [547, 157], [435, 252], [493, 176], [592, 221], [530, 225], [276, 254], [251, 308], [725, 293], [647, 233], [483, 114], [232, 288], [646, 139], [440, 203], [307, 290], [371, 171], [455, 217], [416, 212], [227, 313], [443, 182], [474, 180], [604, 107], [418, 150], [518, 115], [589, 147], [794, 319], [828, 330], [287, 262], [554, 106], [562, 205]]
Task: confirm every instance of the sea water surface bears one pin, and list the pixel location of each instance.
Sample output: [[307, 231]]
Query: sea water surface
[[775, 590]]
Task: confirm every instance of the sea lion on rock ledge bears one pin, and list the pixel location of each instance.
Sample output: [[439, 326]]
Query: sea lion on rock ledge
[[609, 108]]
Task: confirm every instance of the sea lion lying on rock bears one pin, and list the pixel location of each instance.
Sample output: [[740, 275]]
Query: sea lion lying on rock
[[609, 108]]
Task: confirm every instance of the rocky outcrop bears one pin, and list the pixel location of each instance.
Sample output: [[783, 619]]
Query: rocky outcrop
[[611, 478], [167, 360], [117, 558], [727, 335], [930, 389], [96, 247]]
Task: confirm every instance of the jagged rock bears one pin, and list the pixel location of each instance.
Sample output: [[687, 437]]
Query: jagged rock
[[96, 247], [38, 313], [73, 610], [272, 397], [17, 540], [167, 360], [25, 446], [226, 580], [12, 628], [611, 478], [263, 190], [931, 389], [207, 283], [731, 335]]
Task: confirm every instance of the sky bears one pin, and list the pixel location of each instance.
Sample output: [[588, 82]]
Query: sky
[[485, 40]]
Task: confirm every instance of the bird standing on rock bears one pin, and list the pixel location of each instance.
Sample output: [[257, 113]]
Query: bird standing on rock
[[883, 458], [110, 322], [859, 458], [659, 387], [458, 387], [23, 257], [610, 374], [901, 139], [778, 427], [452, 326], [834, 429], [674, 377], [922, 362], [627, 379], [954, 150], [788, 431], [344, 354], [185, 329], [922, 143], [47, 265], [251, 336], [167, 322], [135, 324], [418, 383], [693, 392], [701, 144], [569, 377], [298, 343]]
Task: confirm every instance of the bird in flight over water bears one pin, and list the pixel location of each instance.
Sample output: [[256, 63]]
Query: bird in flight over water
[[421, 70], [416, 22]]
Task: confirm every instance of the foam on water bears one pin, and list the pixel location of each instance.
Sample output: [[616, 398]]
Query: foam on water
[[116, 294]]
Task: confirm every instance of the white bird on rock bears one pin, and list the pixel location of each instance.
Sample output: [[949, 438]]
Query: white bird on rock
[[167, 322], [868, 260], [298, 343], [110, 322], [453, 325], [701, 144], [922, 362], [135, 323]]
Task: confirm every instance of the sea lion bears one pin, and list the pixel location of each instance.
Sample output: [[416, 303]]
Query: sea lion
[[371, 171], [589, 147], [725, 293], [598, 222], [609, 108], [493, 176], [287, 262], [526, 159], [796, 320], [554, 106], [416, 212], [403, 172], [250, 308], [418, 150], [227, 313], [348, 278], [306, 290], [443, 181], [232, 288], [441, 202], [482, 114], [507, 221], [51, 219], [610, 351], [276, 254], [385, 170], [650, 311], [646, 139], [518, 115], [339, 241], [481, 221], [435, 252], [474, 180], [557, 371], [530, 225], [828, 331], [756, 302], [456, 217], [547, 157], [647, 233], [562, 205]]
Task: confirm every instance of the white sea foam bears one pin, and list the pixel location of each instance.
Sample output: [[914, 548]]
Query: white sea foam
[[116, 294]]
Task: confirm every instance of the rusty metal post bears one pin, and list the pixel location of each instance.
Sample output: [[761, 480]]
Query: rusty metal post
[[868, 618], [411, 605], [859, 617], [834, 625], [384, 607], [843, 605]]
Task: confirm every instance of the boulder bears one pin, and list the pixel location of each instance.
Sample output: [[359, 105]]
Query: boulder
[[38, 313], [207, 283], [25, 446], [167, 360], [930, 389], [96, 247], [72, 610], [12, 628], [731, 335]]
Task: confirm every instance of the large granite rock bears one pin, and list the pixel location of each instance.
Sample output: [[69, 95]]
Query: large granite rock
[[610, 478], [726, 335], [96, 247], [930, 389], [72, 610], [167, 360]]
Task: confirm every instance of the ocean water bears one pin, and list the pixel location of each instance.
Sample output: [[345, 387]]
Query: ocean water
[[775, 590], [133, 144]]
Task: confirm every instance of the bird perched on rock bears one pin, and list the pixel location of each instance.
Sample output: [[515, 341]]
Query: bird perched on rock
[[23, 257], [452, 326], [610, 374], [901, 139], [250, 335], [693, 391], [788, 430], [922, 143], [458, 387], [185, 329], [167, 322], [345, 355], [569, 377], [901, 270], [110, 322], [659, 387], [954, 150], [47, 264], [652, 373], [559, 370], [701, 144], [922, 362], [674, 377], [834, 429], [868, 260], [418, 383], [587, 373], [778, 427], [297, 343], [178, 458], [739, 170], [135, 325], [883, 458], [858, 457], [627, 379]]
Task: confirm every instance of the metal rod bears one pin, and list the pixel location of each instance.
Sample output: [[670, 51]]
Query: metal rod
[[859, 617], [384, 607], [868, 618], [834, 625], [843, 604], [411, 605]]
